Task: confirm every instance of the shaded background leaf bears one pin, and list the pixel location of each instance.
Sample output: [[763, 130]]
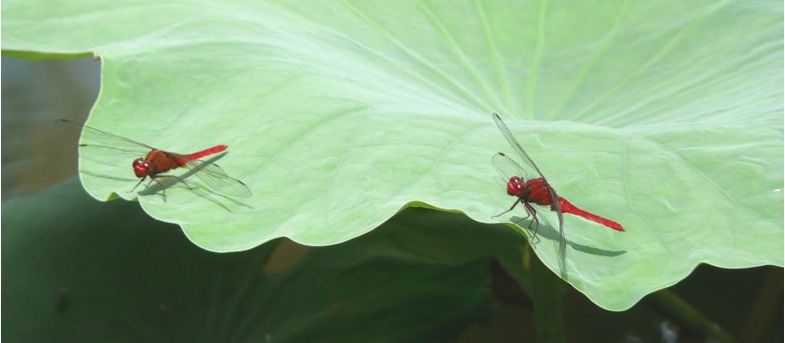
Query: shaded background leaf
[[75, 270]]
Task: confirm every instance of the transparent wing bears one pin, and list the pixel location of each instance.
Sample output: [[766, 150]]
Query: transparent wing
[[515, 145], [505, 164], [556, 206], [217, 179], [507, 167], [102, 142]]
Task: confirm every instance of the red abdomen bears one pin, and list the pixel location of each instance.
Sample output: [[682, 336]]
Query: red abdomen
[[183, 159], [568, 207], [206, 152]]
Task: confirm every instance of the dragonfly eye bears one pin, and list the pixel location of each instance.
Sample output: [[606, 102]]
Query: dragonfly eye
[[516, 186], [140, 167]]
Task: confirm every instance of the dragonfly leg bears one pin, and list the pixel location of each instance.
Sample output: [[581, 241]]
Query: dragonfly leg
[[138, 183], [528, 214], [177, 179], [513, 206], [148, 185], [532, 212], [163, 187]]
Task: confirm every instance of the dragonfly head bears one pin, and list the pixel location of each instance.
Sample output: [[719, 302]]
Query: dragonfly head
[[141, 167], [516, 187]]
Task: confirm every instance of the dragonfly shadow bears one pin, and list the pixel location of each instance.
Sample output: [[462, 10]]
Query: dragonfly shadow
[[595, 250], [543, 231], [104, 176], [546, 231], [184, 180]]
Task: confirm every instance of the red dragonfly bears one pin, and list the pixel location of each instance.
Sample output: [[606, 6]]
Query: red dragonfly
[[534, 188], [156, 161]]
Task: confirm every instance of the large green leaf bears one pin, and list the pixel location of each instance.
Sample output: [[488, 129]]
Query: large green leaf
[[666, 117]]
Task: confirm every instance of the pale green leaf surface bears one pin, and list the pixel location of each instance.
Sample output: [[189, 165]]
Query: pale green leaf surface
[[666, 117]]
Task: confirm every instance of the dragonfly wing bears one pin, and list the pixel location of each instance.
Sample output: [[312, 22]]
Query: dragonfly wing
[[217, 179], [101, 141], [507, 167], [514, 144], [555, 206], [103, 153]]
